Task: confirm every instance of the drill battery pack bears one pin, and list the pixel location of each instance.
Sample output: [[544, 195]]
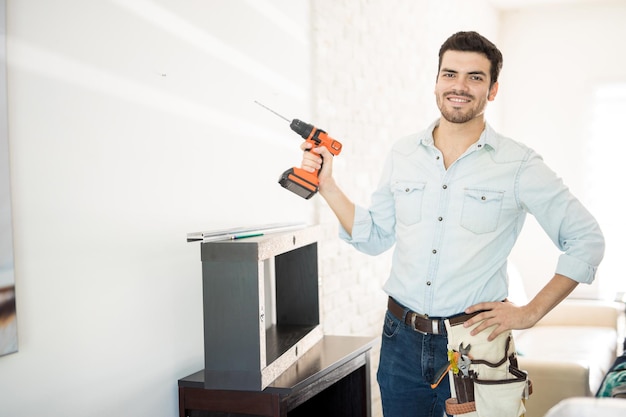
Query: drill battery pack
[[300, 182]]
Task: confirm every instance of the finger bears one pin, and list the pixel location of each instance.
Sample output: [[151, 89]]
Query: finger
[[480, 306], [476, 319], [496, 332], [310, 163], [325, 153], [485, 311], [482, 326], [306, 145], [313, 156]]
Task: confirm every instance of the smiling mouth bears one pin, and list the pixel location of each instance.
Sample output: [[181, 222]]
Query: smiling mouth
[[458, 100], [458, 97]]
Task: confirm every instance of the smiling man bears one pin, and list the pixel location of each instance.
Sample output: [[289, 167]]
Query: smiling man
[[452, 200]]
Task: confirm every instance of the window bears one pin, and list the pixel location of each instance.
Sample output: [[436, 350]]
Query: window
[[604, 185]]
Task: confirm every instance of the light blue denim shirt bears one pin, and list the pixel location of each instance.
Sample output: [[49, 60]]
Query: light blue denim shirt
[[454, 229]]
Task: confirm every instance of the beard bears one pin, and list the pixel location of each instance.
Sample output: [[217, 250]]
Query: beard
[[456, 115]]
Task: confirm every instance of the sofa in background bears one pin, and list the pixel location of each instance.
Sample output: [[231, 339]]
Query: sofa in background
[[568, 353], [589, 407]]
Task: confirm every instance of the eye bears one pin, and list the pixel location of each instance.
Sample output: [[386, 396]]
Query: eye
[[476, 78]]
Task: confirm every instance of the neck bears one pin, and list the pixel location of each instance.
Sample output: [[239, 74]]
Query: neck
[[453, 139], [458, 135]]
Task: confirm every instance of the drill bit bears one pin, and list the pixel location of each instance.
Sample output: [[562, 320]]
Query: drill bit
[[267, 108]]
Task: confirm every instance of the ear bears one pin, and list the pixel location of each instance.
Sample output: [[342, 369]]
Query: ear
[[493, 91]]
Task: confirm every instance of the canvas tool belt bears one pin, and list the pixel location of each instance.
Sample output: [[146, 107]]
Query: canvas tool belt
[[484, 376]]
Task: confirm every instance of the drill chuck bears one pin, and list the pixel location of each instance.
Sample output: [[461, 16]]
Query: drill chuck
[[301, 128]]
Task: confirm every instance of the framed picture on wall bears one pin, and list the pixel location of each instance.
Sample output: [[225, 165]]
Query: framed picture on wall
[[8, 313]]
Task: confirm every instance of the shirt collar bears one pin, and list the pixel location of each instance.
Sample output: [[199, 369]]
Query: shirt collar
[[487, 137]]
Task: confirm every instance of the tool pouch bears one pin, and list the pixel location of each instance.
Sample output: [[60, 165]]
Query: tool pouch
[[495, 387]]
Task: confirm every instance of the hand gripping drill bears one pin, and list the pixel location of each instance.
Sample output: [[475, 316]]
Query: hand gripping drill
[[297, 180]]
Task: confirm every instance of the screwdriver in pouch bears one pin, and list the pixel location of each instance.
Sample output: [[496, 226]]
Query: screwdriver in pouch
[[297, 180]]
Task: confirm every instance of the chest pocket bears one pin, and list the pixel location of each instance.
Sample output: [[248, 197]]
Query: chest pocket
[[481, 210], [408, 196]]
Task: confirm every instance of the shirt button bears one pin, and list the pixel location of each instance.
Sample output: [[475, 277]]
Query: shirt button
[[428, 283], [406, 190], [445, 187], [480, 146], [434, 251], [440, 218], [483, 198], [437, 157]]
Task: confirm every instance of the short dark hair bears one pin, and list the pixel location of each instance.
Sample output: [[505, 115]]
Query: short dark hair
[[474, 42]]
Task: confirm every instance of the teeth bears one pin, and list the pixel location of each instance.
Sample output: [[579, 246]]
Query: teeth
[[458, 100]]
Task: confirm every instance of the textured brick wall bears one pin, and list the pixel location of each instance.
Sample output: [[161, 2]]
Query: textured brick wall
[[374, 68]]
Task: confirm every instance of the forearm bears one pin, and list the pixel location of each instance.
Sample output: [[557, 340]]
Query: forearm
[[549, 297], [339, 203], [507, 316]]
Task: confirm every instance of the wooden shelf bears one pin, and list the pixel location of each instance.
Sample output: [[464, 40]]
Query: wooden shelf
[[331, 378], [261, 307]]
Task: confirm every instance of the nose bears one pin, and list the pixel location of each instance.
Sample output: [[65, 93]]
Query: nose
[[460, 84]]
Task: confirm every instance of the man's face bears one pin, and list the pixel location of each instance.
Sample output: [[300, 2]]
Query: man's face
[[462, 89]]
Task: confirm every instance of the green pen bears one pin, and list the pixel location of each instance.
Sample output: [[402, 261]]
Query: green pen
[[243, 236]]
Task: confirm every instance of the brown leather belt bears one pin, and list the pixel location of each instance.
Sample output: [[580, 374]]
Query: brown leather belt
[[422, 323]]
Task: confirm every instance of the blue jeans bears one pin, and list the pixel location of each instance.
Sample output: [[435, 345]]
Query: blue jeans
[[408, 363]]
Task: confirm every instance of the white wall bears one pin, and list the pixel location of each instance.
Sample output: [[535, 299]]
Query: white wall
[[555, 56], [132, 123]]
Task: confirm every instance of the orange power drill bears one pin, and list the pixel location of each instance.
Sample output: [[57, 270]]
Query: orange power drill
[[297, 180]]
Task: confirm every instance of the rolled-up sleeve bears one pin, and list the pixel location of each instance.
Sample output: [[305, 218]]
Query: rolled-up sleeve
[[571, 227], [373, 231], [361, 229]]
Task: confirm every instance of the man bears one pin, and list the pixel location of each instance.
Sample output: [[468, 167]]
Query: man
[[453, 199]]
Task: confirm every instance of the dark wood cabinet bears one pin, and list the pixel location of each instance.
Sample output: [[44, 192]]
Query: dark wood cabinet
[[264, 350], [330, 379]]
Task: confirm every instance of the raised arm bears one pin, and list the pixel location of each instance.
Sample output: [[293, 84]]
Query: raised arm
[[339, 203]]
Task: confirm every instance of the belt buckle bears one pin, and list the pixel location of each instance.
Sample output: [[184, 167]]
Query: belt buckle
[[434, 323], [413, 318]]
